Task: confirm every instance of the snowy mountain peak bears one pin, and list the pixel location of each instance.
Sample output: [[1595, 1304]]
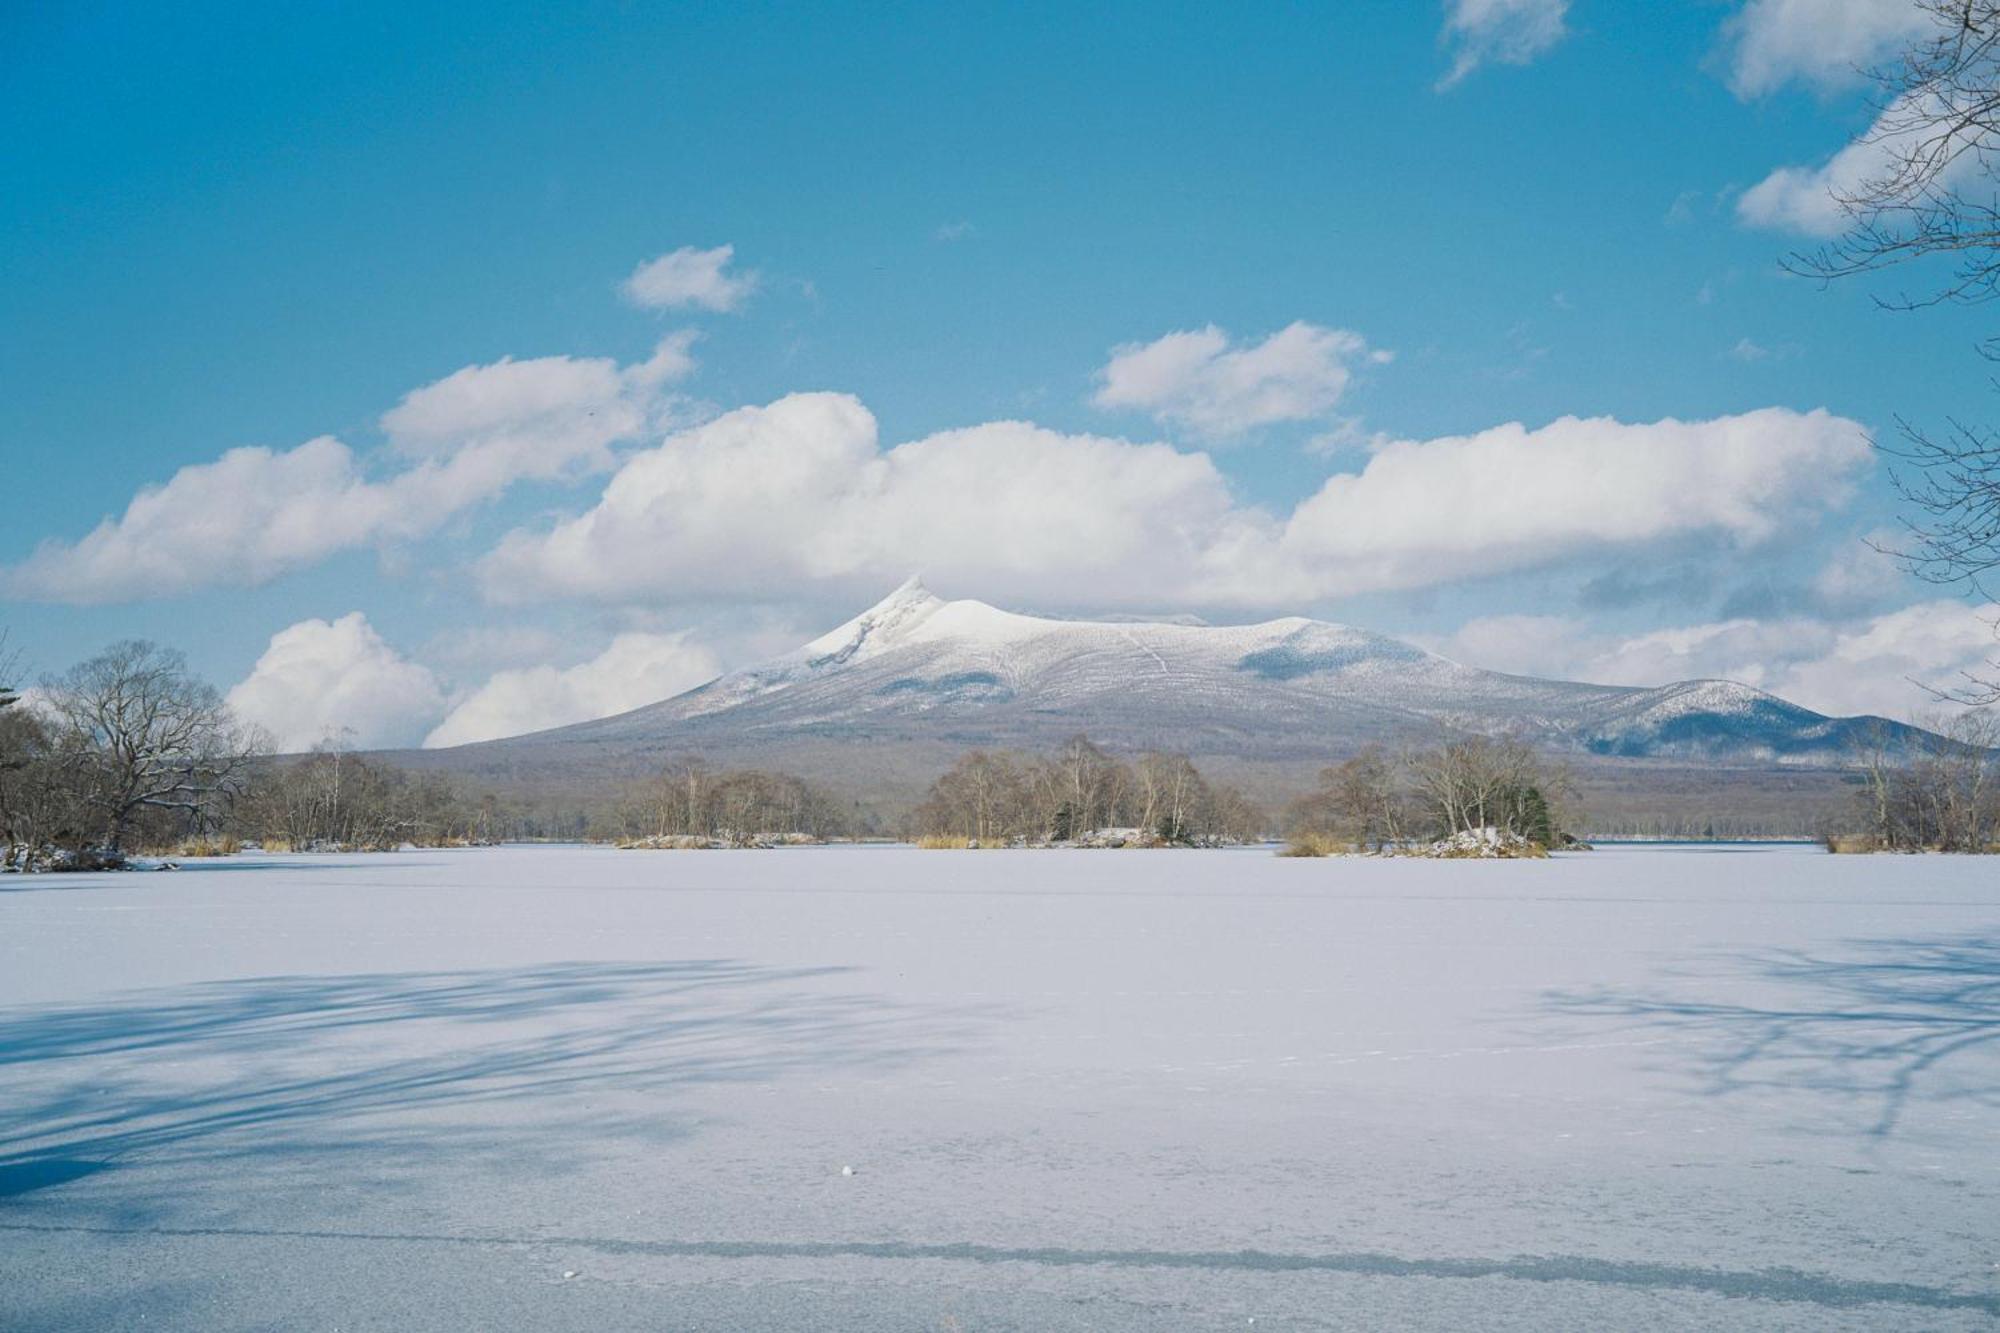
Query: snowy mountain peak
[[880, 626], [911, 591], [916, 669]]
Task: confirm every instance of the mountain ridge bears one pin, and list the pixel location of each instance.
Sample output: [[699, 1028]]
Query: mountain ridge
[[916, 667]]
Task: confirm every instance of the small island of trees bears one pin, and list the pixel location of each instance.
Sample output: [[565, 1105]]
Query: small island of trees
[[1476, 797], [1081, 796]]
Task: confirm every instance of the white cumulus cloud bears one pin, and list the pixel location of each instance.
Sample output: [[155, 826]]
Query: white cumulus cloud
[[1506, 32], [1756, 652], [1198, 380], [765, 501], [1809, 199], [1816, 200], [1878, 664], [337, 679], [1523, 644], [1822, 43], [536, 418], [1426, 511], [245, 518], [771, 502], [690, 277], [636, 669], [256, 513], [1827, 44], [1884, 664]]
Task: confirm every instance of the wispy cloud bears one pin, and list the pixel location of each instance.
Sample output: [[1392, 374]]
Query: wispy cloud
[[1505, 32], [1202, 382], [690, 277]]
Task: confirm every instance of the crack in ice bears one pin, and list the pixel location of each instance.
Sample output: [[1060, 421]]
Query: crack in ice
[[1771, 1284]]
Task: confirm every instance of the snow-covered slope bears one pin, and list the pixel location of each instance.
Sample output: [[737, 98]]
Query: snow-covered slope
[[915, 667]]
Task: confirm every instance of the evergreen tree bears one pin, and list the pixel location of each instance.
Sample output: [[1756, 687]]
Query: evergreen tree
[[1536, 823]]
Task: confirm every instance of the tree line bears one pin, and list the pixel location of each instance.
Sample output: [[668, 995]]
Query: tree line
[[689, 801], [1376, 801], [1938, 792], [125, 749], [993, 798], [334, 800], [130, 751]]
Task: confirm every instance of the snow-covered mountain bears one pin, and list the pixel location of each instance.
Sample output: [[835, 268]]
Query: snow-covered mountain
[[916, 669]]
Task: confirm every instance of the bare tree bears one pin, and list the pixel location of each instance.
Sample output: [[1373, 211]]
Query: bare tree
[[1946, 789], [683, 796], [1480, 782], [331, 800], [1171, 789], [690, 800], [154, 737], [1359, 802], [1934, 193], [1086, 787], [1934, 142], [44, 790], [1226, 815], [38, 800], [1175, 804], [1064, 797], [981, 798], [1938, 790], [1874, 754], [19, 738]]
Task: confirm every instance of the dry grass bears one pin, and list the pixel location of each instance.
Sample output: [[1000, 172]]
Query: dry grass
[[1315, 844], [221, 845], [945, 842], [1863, 844]]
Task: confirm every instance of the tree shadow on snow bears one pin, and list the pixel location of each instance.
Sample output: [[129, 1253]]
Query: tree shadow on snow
[[381, 1064], [1884, 1026]]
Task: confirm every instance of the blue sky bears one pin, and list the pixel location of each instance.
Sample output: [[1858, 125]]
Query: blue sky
[[231, 230]]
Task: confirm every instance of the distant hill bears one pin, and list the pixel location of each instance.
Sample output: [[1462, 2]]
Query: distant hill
[[883, 702]]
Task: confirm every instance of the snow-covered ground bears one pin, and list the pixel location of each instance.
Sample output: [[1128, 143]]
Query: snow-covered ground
[[564, 1088]]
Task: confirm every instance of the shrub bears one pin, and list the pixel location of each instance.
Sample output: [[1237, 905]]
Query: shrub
[[1314, 844]]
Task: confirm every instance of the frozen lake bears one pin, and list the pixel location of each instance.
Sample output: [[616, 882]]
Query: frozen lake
[[1646, 1086]]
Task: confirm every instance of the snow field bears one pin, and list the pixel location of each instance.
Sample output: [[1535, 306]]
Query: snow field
[[1721, 1087]]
